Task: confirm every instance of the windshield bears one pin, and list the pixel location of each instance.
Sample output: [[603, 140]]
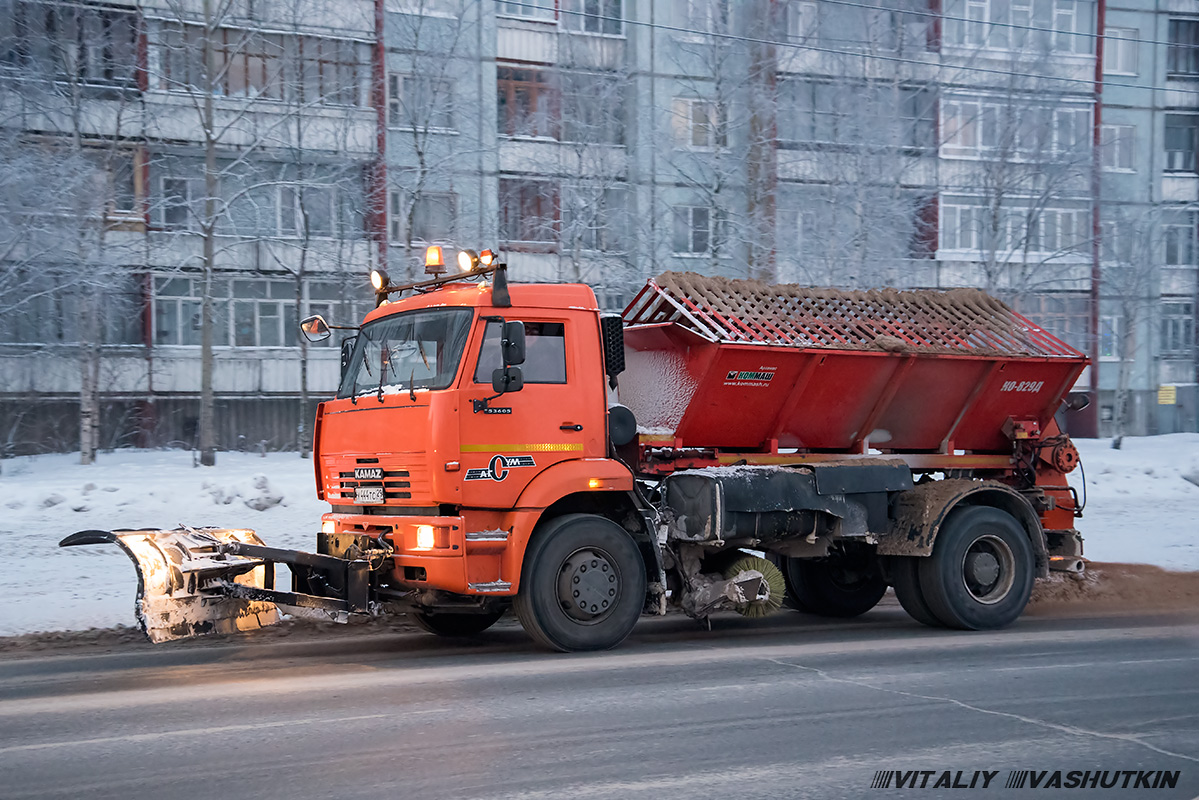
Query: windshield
[[413, 350]]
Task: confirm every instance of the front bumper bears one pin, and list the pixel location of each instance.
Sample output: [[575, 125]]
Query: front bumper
[[434, 552]]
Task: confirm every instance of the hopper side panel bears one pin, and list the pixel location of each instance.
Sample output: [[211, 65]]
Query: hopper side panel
[[1022, 389], [931, 396]]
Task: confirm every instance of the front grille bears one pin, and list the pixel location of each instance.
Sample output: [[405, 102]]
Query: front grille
[[403, 478]]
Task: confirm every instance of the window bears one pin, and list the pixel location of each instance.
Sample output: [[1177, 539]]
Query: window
[[918, 110], [593, 108], [43, 306], [960, 227], [1181, 130], [697, 230], [261, 310], [1067, 27], [526, 103], [801, 20], [408, 351], [432, 8], [699, 123], [419, 102], [703, 16], [1178, 329], [1045, 232], [533, 9], [1115, 243], [433, 217], [814, 111], [1120, 51], [529, 211], [124, 187], [1183, 56], [592, 16], [983, 127], [1109, 337], [92, 44], [1057, 25], [1066, 316], [1179, 240], [305, 69], [174, 210], [545, 353], [1116, 147], [596, 218], [923, 241]]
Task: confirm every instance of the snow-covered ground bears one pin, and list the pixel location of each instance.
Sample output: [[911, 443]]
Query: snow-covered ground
[[1140, 509]]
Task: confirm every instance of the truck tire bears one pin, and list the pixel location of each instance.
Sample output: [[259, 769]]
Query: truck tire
[[905, 577], [583, 584], [838, 587], [454, 624], [981, 572]]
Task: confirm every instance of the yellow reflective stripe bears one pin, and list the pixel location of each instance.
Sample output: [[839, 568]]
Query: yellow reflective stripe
[[543, 447]]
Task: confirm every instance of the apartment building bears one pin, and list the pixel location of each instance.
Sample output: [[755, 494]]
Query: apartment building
[[829, 142]]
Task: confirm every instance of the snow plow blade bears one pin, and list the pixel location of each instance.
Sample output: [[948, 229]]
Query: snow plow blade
[[186, 580]]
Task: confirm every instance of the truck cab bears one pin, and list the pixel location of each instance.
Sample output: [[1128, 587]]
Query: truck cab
[[419, 450]]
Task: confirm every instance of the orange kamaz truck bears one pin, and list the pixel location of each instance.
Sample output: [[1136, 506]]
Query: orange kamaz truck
[[721, 445]]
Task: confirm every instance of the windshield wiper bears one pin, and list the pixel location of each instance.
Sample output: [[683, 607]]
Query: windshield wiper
[[411, 388], [382, 371]]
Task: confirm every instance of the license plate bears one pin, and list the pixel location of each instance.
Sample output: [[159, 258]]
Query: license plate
[[368, 494], [368, 473]]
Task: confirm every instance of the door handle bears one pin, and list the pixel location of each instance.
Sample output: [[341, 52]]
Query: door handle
[[568, 427]]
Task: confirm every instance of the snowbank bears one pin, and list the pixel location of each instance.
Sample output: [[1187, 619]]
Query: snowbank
[[44, 498], [1140, 509]]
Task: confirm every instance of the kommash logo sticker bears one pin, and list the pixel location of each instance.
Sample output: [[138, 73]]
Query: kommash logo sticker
[[759, 377], [498, 468]]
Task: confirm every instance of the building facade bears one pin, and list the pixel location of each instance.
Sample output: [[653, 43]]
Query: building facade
[[268, 158]]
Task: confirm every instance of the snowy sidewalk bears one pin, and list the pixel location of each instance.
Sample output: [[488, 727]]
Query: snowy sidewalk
[[1139, 510]]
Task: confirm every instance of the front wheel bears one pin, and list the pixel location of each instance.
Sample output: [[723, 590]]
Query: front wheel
[[842, 586], [981, 572], [454, 623], [583, 584]]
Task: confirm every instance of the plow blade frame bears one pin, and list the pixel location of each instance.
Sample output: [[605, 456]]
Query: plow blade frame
[[197, 581]]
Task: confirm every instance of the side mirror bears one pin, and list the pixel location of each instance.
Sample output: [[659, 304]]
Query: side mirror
[[508, 379], [347, 351], [513, 345], [1077, 401], [314, 328]]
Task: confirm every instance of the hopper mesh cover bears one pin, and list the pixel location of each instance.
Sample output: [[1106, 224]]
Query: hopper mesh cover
[[733, 311]]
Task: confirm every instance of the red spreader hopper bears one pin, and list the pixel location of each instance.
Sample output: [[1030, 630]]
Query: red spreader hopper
[[742, 365]]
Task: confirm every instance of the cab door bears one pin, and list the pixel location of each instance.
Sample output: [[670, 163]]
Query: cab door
[[520, 434]]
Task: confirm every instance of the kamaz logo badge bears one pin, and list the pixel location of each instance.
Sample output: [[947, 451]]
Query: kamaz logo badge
[[368, 473], [740, 375], [498, 468]]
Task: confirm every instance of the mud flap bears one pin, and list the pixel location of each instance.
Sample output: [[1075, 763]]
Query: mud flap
[[182, 577]]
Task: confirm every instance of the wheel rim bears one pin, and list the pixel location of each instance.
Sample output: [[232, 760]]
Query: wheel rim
[[988, 569], [589, 585]]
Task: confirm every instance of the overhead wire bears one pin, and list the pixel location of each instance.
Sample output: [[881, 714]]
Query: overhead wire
[[1088, 82]]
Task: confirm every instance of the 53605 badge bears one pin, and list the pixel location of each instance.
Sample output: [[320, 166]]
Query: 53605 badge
[[498, 468]]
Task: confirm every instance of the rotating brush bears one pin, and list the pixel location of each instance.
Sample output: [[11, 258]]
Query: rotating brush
[[775, 586]]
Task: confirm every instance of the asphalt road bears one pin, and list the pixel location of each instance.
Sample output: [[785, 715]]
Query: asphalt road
[[789, 706]]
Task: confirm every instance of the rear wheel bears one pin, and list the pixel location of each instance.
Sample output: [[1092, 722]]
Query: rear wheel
[[981, 572], [842, 586], [455, 624], [583, 584], [905, 577]]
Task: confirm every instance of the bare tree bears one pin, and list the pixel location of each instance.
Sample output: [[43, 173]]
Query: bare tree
[[72, 84], [255, 97]]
